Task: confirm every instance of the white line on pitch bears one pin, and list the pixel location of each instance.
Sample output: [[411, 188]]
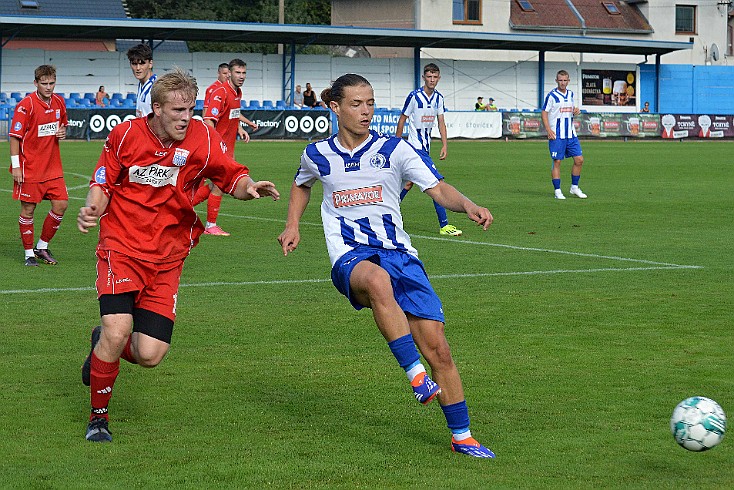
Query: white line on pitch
[[314, 281]]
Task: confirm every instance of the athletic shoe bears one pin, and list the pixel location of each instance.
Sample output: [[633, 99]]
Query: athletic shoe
[[45, 256], [87, 366], [576, 191], [215, 230], [450, 230], [98, 430], [31, 262], [424, 388], [559, 194], [471, 447]]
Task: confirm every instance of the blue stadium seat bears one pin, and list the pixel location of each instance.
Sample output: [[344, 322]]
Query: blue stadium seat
[[16, 96], [254, 104], [115, 102], [280, 104], [3, 95], [127, 103], [199, 105], [243, 104], [132, 96], [70, 102], [117, 96], [3, 113], [268, 104], [75, 95], [86, 102], [90, 96]]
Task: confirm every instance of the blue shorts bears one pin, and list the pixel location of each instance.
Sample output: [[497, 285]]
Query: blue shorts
[[561, 148], [429, 163], [410, 284]]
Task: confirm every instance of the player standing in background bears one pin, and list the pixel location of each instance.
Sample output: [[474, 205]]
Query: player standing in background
[[39, 122], [141, 194], [558, 111], [141, 63], [223, 114], [222, 77], [422, 108], [373, 262]]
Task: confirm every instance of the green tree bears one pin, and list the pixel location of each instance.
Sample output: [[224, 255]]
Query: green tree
[[263, 11]]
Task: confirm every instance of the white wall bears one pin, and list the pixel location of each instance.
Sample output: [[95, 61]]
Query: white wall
[[513, 85]]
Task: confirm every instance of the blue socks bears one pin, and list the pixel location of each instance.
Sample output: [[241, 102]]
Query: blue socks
[[556, 183], [575, 180], [457, 417], [404, 350], [443, 220]]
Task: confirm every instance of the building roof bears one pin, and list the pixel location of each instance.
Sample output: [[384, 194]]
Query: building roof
[[579, 15], [19, 27], [112, 9]]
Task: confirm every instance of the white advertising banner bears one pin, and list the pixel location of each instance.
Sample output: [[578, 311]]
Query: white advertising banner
[[472, 125]]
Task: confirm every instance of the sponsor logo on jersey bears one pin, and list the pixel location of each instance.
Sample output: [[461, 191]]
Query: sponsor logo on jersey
[[426, 119], [378, 161], [180, 156], [357, 197], [351, 165], [100, 176], [58, 113], [223, 145], [154, 175], [48, 129], [22, 110], [234, 114], [215, 111], [17, 126]]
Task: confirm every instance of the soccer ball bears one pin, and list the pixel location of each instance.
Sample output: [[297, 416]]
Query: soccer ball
[[698, 423]]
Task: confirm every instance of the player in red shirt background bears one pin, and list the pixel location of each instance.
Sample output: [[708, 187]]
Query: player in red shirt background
[[222, 77], [142, 196], [223, 113], [39, 122]]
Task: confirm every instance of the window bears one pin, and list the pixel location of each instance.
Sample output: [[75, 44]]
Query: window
[[611, 8], [685, 19], [467, 11], [28, 4], [525, 5]]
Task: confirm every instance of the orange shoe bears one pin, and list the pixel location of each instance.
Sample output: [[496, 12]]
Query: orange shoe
[[215, 230]]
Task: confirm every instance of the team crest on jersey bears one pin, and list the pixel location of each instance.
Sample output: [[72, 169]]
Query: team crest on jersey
[[17, 126], [58, 113], [378, 161], [215, 111], [100, 176], [180, 156]]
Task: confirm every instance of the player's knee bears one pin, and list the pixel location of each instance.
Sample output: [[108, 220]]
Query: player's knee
[[150, 358], [60, 207]]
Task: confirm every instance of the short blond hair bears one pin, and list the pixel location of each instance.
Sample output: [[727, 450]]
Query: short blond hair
[[175, 81]]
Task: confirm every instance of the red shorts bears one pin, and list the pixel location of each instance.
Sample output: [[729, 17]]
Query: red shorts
[[155, 285], [51, 190]]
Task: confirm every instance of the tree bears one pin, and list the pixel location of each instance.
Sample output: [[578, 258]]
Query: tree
[[261, 11]]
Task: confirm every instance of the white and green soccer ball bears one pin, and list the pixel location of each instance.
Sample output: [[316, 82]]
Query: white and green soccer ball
[[698, 423]]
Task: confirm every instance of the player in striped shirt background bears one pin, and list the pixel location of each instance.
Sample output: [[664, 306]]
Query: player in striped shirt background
[[141, 63], [558, 111]]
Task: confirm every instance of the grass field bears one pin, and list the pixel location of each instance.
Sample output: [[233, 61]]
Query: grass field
[[578, 325]]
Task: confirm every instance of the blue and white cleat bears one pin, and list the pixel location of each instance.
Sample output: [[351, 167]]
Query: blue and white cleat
[[424, 388], [471, 447]]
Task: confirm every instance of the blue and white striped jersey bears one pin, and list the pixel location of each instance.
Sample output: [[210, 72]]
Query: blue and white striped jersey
[[361, 202], [560, 113], [422, 112], [142, 107]]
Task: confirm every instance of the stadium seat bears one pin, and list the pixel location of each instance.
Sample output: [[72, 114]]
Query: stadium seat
[[75, 95], [90, 96], [243, 104], [127, 103], [199, 106], [268, 104], [117, 96], [70, 102], [131, 96], [280, 104], [254, 104], [16, 96], [3, 96]]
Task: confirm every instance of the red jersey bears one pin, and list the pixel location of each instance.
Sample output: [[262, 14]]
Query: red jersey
[[208, 93], [35, 123], [224, 110], [151, 187]]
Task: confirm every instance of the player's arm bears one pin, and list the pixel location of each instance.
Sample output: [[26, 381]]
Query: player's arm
[[247, 189], [15, 160], [95, 207], [444, 138], [211, 123], [546, 124], [291, 236], [447, 196], [401, 125], [249, 123]]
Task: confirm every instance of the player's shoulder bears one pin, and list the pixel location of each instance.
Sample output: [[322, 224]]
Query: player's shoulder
[[58, 100]]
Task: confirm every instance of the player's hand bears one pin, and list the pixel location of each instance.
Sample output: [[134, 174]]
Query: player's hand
[[18, 175], [444, 153], [263, 188], [289, 239], [61, 132], [576, 111], [551, 134], [481, 216], [244, 135], [87, 218]]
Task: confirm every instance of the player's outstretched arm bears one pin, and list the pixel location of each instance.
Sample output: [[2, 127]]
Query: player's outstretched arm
[[447, 196], [247, 189], [291, 236], [96, 205]]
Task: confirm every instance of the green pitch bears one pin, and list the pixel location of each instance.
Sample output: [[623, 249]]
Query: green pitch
[[577, 325]]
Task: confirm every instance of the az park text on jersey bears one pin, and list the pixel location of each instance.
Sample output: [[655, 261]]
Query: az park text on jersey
[[361, 201]]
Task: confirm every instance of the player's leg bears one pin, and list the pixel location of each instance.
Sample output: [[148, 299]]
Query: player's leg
[[50, 226], [557, 149], [150, 340], [212, 212], [574, 150], [431, 340], [202, 193], [367, 284], [25, 224]]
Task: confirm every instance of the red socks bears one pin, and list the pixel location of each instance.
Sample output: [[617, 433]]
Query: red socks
[[103, 376], [50, 226], [212, 209], [26, 232]]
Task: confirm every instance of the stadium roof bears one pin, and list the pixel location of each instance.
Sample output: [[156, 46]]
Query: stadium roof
[[21, 27]]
